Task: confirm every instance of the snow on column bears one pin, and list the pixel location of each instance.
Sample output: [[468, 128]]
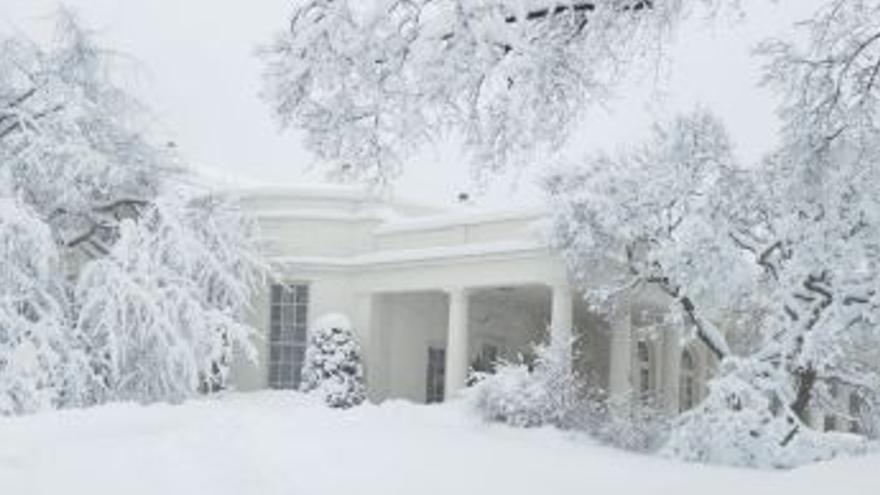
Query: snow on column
[[621, 348], [561, 318], [457, 342]]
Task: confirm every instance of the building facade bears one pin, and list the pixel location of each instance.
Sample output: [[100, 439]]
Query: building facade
[[431, 293]]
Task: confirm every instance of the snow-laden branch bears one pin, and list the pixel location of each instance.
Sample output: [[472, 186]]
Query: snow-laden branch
[[369, 82]]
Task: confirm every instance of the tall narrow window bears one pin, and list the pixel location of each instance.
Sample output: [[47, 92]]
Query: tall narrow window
[[643, 355], [435, 386], [488, 357], [287, 334], [688, 385], [829, 422], [855, 412]]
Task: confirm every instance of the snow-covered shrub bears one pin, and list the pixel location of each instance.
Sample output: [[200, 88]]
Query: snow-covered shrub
[[629, 422], [740, 426], [333, 366], [544, 390], [529, 393]]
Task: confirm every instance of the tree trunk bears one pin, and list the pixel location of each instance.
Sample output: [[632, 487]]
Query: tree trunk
[[806, 380]]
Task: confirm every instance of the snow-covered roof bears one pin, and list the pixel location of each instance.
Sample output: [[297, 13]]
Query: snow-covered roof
[[307, 190], [343, 227], [472, 216], [373, 214], [437, 253]]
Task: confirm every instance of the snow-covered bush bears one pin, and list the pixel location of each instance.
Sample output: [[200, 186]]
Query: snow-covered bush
[[333, 366], [543, 389], [629, 422], [738, 425], [529, 392]]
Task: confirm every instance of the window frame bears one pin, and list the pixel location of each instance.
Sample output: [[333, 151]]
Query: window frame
[[435, 371], [288, 333], [644, 372], [687, 395]]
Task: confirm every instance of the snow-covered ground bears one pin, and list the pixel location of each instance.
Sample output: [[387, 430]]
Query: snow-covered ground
[[274, 443]]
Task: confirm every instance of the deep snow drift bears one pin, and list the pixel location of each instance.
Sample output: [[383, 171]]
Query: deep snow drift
[[282, 443]]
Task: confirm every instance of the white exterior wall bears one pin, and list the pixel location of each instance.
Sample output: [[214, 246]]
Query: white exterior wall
[[390, 267], [409, 324]]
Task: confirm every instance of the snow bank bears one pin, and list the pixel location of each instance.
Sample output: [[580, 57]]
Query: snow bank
[[283, 443]]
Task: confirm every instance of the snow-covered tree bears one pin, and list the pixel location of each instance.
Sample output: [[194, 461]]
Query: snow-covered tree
[[168, 298], [371, 80], [655, 216], [795, 256], [831, 147], [135, 276], [333, 366], [33, 339]]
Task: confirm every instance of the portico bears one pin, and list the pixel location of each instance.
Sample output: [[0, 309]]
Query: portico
[[459, 356], [467, 326]]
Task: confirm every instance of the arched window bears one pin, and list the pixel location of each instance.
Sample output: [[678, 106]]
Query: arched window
[[643, 356], [855, 412], [687, 392]]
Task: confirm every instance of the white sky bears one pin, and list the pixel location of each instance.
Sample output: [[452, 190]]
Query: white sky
[[198, 71]]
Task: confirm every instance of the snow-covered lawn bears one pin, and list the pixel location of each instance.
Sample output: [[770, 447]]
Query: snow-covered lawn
[[274, 443]]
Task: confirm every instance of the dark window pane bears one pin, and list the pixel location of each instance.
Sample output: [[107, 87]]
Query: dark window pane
[[829, 423], [435, 375], [287, 315], [300, 334], [287, 353], [299, 353], [287, 295], [642, 351], [302, 293], [276, 293], [300, 318], [855, 404], [687, 361]]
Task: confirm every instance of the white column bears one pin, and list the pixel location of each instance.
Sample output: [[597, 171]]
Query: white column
[[620, 364], [457, 342], [561, 318], [672, 350], [367, 327]]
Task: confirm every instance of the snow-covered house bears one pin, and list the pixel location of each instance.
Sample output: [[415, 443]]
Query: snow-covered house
[[430, 292]]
